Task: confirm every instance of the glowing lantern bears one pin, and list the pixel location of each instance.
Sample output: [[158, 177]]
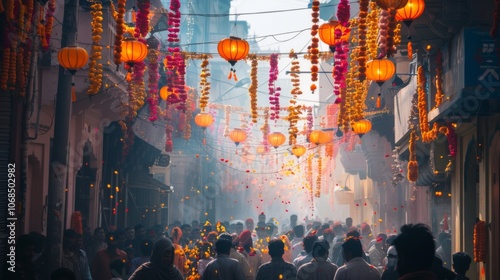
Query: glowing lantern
[[298, 150], [133, 51], [238, 135], [164, 92], [204, 120], [327, 33], [380, 70], [72, 58], [261, 150], [319, 137], [233, 49], [361, 127], [391, 4], [411, 11], [276, 139]]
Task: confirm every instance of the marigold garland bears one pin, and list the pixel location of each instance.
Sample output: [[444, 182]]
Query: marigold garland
[[204, 83], [153, 77], [49, 21], [252, 90], [318, 178], [95, 68], [372, 30], [265, 130], [428, 135], [362, 39], [341, 50], [142, 18], [295, 69], [310, 120], [274, 94], [313, 48], [452, 140], [227, 119], [5, 68], [412, 162], [438, 98], [383, 25], [120, 30], [391, 42], [112, 10]]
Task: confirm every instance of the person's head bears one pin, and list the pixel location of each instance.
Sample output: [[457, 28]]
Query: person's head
[[111, 241], [146, 247], [365, 229], [39, 240], [207, 227], [227, 236], [380, 241], [223, 246], [195, 224], [262, 218], [352, 248], [389, 240], [140, 231], [348, 222], [245, 239], [206, 250], [415, 247], [239, 228], [308, 242], [338, 229], [320, 249], [293, 220], [163, 253], [328, 235], [442, 236], [353, 233], [195, 234], [299, 231], [129, 233], [461, 262], [212, 237], [249, 224], [276, 248], [186, 230], [69, 239], [392, 257], [25, 248], [62, 274], [99, 234]]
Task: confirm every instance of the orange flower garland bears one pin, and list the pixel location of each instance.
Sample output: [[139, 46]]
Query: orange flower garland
[[120, 29], [252, 90], [295, 69], [372, 32], [293, 118], [41, 27], [112, 10], [412, 162], [317, 193], [95, 68], [438, 98], [427, 134], [227, 119], [49, 21], [362, 38], [5, 68], [189, 115], [313, 49], [204, 83], [391, 42]]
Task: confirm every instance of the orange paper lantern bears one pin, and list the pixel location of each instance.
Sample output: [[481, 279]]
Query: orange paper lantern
[[72, 58], [233, 49], [380, 70], [204, 120], [411, 11], [133, 51], [238, 135], [299, 150], [276, 139], [361, 127], [327, 33], [391, 4]]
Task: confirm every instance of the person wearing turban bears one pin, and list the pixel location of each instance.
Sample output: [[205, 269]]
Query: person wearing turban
[[180, 256], [253, 256]]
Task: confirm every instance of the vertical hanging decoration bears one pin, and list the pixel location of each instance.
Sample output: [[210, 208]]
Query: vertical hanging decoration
[[373, 30], [252, 90], [120, 30], [293, 117], [309, 179], [95, 68], [169, 144], [265, 130], [496, 19], [428, 135], [153, 77], [438, 98], [362, 38], [49, 21], [309, 121], [227, 119], [274, 94], [391, 31], [317, 193], [383, 26], [412, 161], [452, 140], [204, 83], [341, 49], [174, 61], [313, 48], [294, 72]]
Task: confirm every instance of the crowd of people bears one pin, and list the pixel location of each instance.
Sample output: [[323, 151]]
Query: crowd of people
[[246, 251]]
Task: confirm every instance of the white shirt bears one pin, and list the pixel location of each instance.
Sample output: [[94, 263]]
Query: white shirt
[[357, 269]]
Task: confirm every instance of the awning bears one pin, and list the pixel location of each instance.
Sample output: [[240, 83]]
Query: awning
[[141, 180]]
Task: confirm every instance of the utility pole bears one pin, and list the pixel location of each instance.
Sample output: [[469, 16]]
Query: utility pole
[[58, 170]]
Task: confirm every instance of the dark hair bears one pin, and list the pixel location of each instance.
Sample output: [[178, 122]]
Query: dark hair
[[223, 246], [353, 246], [320, 249], [308, 242], [147, 247], [415, 247], [184, 226], [325, 226], [352, 233], [62, 274], [39, 240], [24, 241], [276, 248], [390, 239], [298, 230], [442, 236], [461, 262]]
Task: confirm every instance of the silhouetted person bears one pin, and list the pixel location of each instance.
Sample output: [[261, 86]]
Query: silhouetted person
[[161, 266], [223, 267], [415, 248], [319, 268], [277, 266], [22, 268], [308, 243], [355, 267], [461, 264]]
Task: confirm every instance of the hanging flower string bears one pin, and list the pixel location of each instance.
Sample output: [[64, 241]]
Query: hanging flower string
[[227, 119], [313, 48], [95, 68], [412, 161], [438, 98], [153, 78], [496, 19], [428, 135], [341, 50], [362, 38], [317, 193], [295, 70], [265, 130], [391, 39], [142, 18], [452, 140], [120, 29], [252, 90], [274, 94], [49, 21], [310, 120], [204, 84], [383, 26], [373, 30]]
